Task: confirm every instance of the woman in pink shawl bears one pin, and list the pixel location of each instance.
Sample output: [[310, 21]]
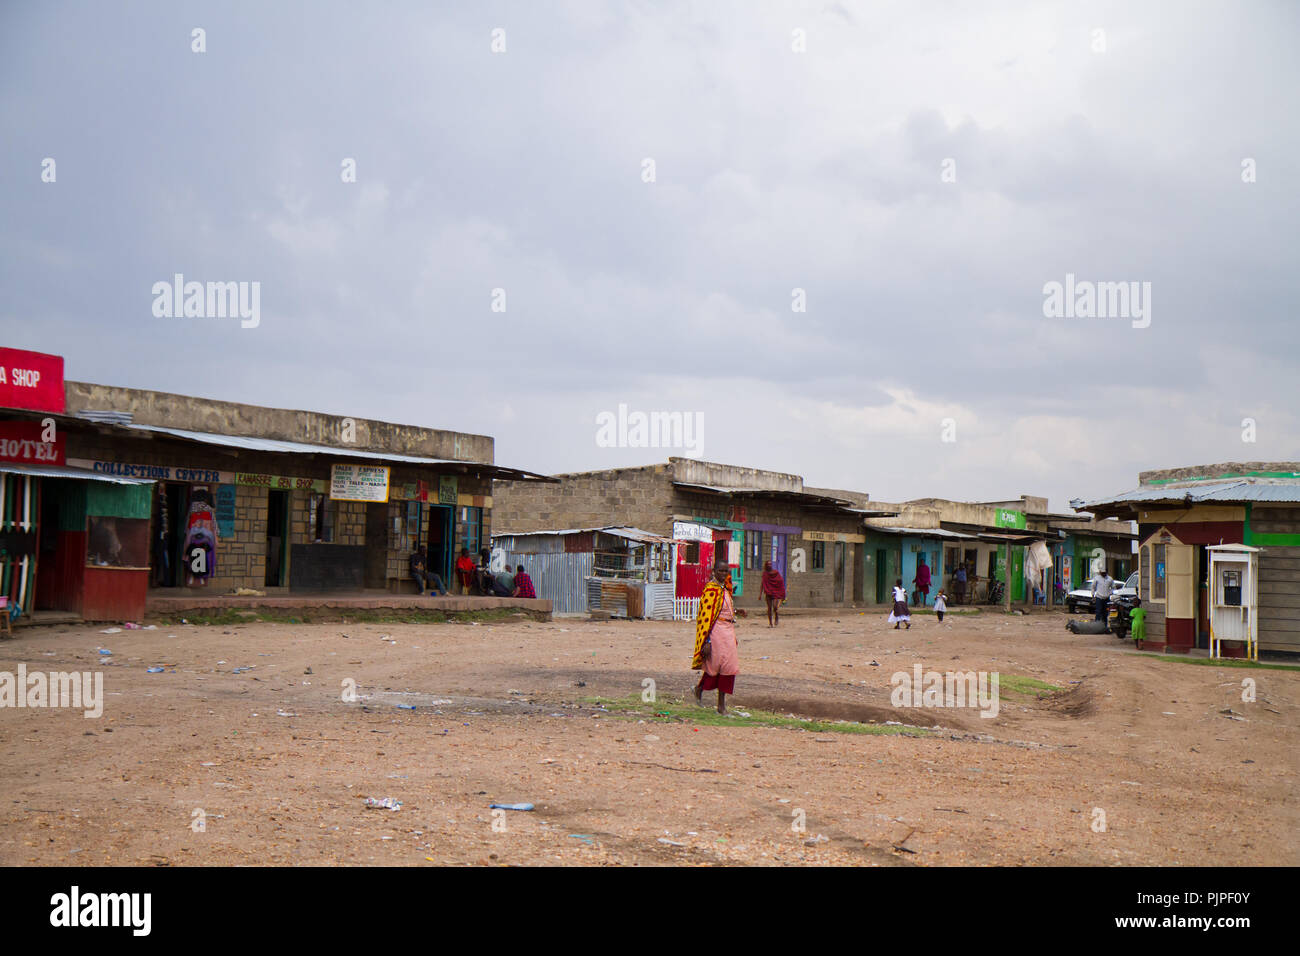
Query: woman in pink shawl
[[716, 650], [773, 590]]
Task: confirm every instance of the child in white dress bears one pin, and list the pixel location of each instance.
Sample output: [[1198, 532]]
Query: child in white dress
[[900, 613]]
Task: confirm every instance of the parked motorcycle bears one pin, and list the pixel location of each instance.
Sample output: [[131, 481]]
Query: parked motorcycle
[[997, 590], [1118, 615]]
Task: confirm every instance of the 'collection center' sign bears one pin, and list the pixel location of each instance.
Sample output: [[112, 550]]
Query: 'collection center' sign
[[359, 482]]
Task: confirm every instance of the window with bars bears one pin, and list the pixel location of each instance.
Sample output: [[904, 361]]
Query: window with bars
[[754, 551], [408, 525], [472, 518], [819, 555], [1157, 564], [322, 516]]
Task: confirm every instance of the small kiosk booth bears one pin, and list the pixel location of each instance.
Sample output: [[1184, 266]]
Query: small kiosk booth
[[1234, 598]]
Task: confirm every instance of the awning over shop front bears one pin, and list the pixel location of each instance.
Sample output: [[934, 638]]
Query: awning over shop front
[[807, 499], [66, 471], [248, 443], [920, 532]]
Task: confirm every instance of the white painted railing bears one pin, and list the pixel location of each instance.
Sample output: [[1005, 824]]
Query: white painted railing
[[686, 609]]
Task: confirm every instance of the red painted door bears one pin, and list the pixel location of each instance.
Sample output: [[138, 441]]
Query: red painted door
[[694, 566]]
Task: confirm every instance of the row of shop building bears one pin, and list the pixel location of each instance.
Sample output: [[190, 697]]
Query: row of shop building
[[1218, 555], [659, 527], [110, 495]]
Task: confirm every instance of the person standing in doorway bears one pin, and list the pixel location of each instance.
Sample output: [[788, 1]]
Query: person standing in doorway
[[1101, 588], [959, 583], [716, 648], [773, 590], [922, 579], [900, 614]]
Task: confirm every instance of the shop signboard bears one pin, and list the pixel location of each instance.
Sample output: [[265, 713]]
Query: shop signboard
[[225, 511], [359, 482], [31, 380], [1006, 518], [447, 490], [685, 531], [31, 443], [279, 482]]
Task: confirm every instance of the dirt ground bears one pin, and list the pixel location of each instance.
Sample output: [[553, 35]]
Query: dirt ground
[[275, 764]]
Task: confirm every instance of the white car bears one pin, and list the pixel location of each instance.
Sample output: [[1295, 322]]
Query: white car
[[1128, 590], [1083, 597]]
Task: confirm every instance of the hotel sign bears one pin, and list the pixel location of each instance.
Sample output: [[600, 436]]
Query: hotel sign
[[31, 380], [359, 482], [26, 442]]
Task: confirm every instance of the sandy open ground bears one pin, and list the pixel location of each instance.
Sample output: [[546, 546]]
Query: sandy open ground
[[277, 764]]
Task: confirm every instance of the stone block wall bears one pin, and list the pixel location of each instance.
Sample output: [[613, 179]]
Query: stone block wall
[[640, 497]]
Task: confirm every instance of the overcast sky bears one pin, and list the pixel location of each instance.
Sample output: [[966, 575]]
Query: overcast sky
[[794, 146]]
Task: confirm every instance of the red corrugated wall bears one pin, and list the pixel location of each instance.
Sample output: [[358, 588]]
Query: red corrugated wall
[[114, 595], [60, 574]]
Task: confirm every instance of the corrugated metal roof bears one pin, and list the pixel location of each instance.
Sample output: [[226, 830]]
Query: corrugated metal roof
[[1256, 491], [251, 443], [1237, 490], [619, 531], [808, 496], [289, 447], [66, 471], [920, 532]]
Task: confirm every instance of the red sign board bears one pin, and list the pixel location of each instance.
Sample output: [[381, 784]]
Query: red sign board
[[31, 380], [31, 443]]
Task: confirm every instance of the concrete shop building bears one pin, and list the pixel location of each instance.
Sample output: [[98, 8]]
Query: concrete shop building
[[704, 508], [945, 533], [1184, 516], [292, 501]]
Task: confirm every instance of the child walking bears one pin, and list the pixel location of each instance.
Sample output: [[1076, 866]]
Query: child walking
[[940, 604], [900, 613]]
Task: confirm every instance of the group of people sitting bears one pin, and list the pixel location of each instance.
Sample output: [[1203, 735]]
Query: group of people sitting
[[473, 578]]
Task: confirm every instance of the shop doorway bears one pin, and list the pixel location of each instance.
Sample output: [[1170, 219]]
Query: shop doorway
[[375, 573], [860, 575], [882, 572], [837, 589], [277, 536], [778, 554], [170, 509], [439, 549], [1202, 599]]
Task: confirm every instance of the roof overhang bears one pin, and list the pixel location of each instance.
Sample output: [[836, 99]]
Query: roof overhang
[[67, 471], [617, 531], [921, 532], [807, 499], [1092, 531], [278, 446]]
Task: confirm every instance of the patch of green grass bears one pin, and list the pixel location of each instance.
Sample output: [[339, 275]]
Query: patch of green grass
[[1232, 662], [1024, 685], [666, 710]]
